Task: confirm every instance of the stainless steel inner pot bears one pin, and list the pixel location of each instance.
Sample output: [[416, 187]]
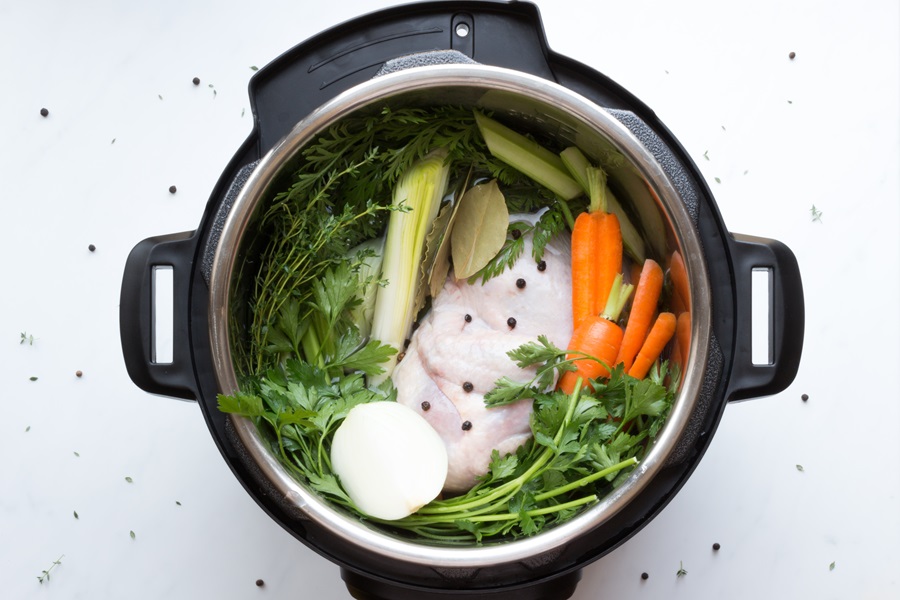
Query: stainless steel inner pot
[[548, 111]]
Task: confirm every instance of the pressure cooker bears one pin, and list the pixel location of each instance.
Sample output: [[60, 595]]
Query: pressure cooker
[[491, 56]]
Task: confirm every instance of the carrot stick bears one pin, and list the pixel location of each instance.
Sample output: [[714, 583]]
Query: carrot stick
[[583, 268], [646, 297], [660, 334]]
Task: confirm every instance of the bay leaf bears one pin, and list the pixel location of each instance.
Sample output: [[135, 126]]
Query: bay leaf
[[480, 228], [429, 260]]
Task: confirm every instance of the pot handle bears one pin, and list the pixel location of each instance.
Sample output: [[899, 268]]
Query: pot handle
[[163, 371], [785, 323]]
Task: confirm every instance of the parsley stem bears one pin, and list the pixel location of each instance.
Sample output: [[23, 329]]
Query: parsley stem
[[535, 512], [586, 480]]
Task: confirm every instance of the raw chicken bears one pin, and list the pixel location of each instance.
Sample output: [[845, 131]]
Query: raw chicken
[[459, 351]]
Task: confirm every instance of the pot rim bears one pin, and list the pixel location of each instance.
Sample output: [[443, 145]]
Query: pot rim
[[350, 529]]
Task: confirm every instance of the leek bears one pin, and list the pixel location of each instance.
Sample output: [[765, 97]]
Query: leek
[[416, 201]]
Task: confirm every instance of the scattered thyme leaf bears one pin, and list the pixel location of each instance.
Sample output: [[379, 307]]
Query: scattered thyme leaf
[[160, 96], [681, 572], [131, 533], [45, 574], [816, 214], [24, 337], [75, 453], [242, 112], [75, 513], [800, 468], [32, 378], [254, 68], [28, 428], [113, 141], [178, 503], [831, 566], [129, 479], [706, 155], [718, 180]]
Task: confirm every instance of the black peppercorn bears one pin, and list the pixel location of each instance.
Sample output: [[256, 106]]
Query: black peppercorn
[[172, 189], [260, 583], [468, 387], [520, 283], [516, 234], [645, 576], [78, 373], [467, 425], [426, 405], [468, 318], [44, 112], [511, 322], [400, 356], [792, 55], [196, 81], [804, 397], [406, 343], [716, 546], [542, 265], [92, 247]]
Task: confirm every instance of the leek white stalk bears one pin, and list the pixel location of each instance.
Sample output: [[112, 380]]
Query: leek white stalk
[[420, 189]]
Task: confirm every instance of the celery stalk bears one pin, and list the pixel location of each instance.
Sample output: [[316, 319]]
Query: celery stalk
[[527, 156], [417, 198]]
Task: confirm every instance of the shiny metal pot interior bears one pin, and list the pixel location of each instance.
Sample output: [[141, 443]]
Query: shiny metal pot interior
[[548, 111]]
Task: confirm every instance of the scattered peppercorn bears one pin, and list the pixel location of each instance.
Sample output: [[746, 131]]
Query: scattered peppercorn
[[542, 265], [467, 425], [804, 397], [172, 189], [716, 546], [468, 318], [44, 112], [792, 55], [520, 283], [196, 81], [406, 343], [260, 583], [511, 322], [400, 356], [78, 373], [645, 576], [468, 387], [426, 405], [516, 234], [92, 247]]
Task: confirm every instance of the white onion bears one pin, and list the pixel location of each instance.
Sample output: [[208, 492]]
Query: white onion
[[389, 459]]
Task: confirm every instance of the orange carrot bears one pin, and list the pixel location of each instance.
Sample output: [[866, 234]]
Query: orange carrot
[[596, 252], [599, 337], [646, 297], [683, 335], [660, 334], [681, 288]]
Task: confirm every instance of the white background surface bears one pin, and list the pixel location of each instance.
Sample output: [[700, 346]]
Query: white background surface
[[781, 135]]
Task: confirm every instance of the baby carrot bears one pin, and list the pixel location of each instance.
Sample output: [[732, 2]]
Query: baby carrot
[[646, 297], [660, 334]]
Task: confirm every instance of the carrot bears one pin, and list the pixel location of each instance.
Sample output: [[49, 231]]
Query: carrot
[[681, 288], [643, 307], [660, 334], [596, 252], [599, 338], [683, 335]]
